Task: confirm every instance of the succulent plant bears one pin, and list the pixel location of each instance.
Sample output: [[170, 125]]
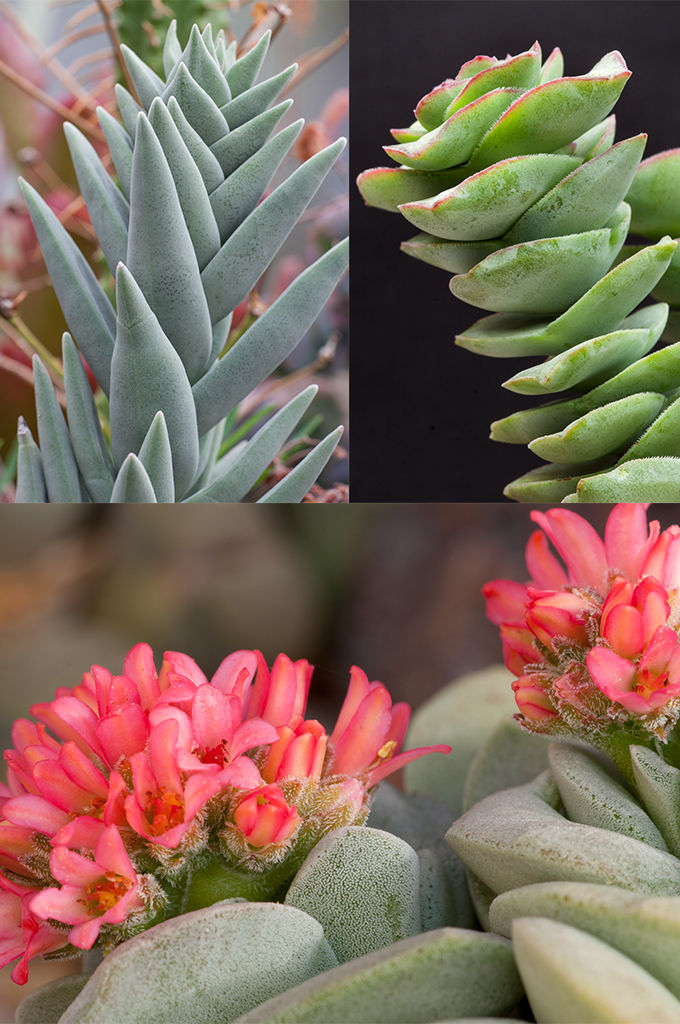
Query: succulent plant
[[512, 174], [187, 236]]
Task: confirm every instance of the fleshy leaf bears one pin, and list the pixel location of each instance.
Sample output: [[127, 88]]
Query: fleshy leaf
[[239, 145], [132, 483], [243, 72], [253, 101], [30, 478], [59, 465], [156, 457], [89, 446], [293, 487]]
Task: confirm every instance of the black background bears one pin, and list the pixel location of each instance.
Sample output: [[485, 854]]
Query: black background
[[420, 405]]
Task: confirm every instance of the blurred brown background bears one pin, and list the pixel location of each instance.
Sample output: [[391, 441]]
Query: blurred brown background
[[392, 588]]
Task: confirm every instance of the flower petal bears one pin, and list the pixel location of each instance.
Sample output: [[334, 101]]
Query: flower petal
[[579, 545]]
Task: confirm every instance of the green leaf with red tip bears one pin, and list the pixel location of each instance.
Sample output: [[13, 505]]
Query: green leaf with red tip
[[488, 203], [597, 139], [546, 275], [654, 196], [431, 108], [410, 134], [637, 480], [597, 312], [584, 199], [600, 432], [553, 114], [456, 139], [456, 257], [388, 187], [520, 72], [553, 66]]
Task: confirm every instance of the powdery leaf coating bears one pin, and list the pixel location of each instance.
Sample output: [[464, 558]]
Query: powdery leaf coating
[[658, 784], [47, 1004], [647, 929], [571, 976], [463, 714], [446, 973], [511, 756], [363, 886], [207, 967], [517, 837], [590, 795]]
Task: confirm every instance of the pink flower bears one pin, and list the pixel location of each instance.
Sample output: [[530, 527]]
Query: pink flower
[[298, 753], [93, 892], [23, 936], [264, 817], [596, 636]]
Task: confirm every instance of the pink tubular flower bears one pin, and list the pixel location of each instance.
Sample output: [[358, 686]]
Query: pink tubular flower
[[128, 785], [594, 640], [93, 892], [264, 817]]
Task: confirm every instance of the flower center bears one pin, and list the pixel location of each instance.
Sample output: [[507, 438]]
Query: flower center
[[104, 893], [164, 810]]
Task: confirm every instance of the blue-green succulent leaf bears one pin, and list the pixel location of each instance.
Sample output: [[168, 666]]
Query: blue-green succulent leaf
[[30, 478], [156, 457], [132, 484], [302, 477], [58, 461], [120, 147], [234, 149], [87, 439], [147, 83], [199, 108], [207, 163], [256, 99], [243, 72]]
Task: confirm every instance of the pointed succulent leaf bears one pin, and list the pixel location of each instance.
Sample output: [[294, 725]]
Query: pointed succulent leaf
[[431, 109], [444, 974], [517, 837], [570, 975], [548, 483], [242, 474], [645, 928], [217, 963], [87, 439], [207, 37], [172, 51], [488, 203], [129, 109], [592, 796], [226, 53], [147, 375], [147, 83], [132, 485], [604, 430], [520, 72], [248, 252], [658, 784], [463, 715], [156, 457], [204, 68], [239, 194], [208, 451], [171, 286], [88, 312], [410, 134], [363, 886], [107, 206], [596, 140], [456, 139], [456, 257], [120, 147], [254, 101], [586, 198], [653, 196], [220, 334], [600, 310], [662, 436], [387, 188], [191, 190], [208, 165], [199, 108], [30, 478], [239, 145], [553, 114], [511, 756], [59, 465], [553, 66], [293, 487], [548, 274], [243, 72], [634, 481]]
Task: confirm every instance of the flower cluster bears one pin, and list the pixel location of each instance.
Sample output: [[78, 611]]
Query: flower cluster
[[129, 788], [595, 645]]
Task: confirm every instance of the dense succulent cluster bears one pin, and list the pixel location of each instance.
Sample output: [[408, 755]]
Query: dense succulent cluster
[[187, 234], [512, 174], [141, 796]]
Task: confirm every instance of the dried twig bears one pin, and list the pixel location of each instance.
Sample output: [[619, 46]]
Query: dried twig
[[42, 97], [25, 340], [324, 359], [274, 18], [74, 37], [315, 58], [16, 368], [89, 59], [115, 42]]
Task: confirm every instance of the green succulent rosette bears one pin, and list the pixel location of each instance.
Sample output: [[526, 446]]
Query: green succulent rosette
[[513, 177]]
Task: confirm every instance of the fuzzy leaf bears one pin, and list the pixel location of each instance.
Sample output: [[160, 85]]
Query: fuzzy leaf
[[456, 257], [243, 72], [298, 481], [30, 479], [520, 72], [653, 196], [269, 340], [129, 109], [147, 82], [208, 165], [156, 457], [441, 975], [200, 110], [204, 68], [107, 207], [191, 190], [239, 145], [88, 312], [171, 286], [254, 101], [172, 51], [658, 784], [387, 188], [662, 437], [239, 194], [147, 375], [511, 756], [235, 483], [571, 976], [634, 481], [120, 147], [132, 483], [251, 248], [46, 1004], [58, 461], [549, 483], [89, 445], [362, 885]]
